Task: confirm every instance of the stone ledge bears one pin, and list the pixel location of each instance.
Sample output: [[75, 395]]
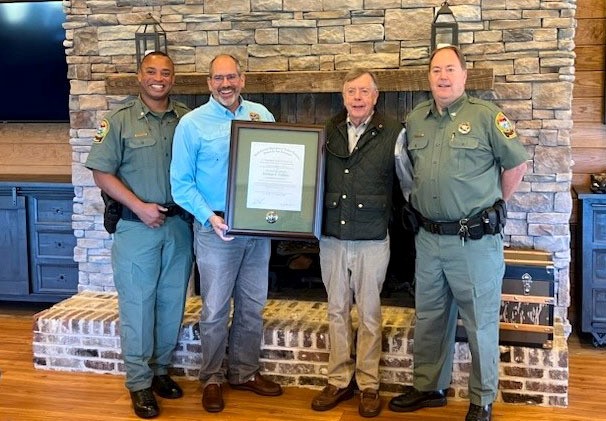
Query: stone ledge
[[82, 334]]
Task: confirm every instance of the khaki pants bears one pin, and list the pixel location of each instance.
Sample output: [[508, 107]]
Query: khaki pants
[[354, 270]]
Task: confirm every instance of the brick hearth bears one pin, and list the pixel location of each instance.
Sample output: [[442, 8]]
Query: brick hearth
[[82, 334]]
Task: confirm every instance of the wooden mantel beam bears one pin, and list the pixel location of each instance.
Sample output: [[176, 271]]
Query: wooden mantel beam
[[393, 80]]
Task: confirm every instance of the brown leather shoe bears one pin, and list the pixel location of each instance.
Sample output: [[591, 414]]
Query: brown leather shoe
[[370, 403], [212, 398], [330, 397], [260, 385]]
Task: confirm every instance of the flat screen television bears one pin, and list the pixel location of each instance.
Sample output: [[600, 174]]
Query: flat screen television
[[32, 59]]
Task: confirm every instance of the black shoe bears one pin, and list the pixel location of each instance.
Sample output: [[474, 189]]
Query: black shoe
[[412, 399], [144, 403], [479, 413], [166, 387]]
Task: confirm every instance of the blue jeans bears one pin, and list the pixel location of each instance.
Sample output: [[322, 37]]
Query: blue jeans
[[238, 270]]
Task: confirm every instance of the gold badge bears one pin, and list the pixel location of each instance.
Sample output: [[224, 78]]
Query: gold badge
[[101, 131], [254, 116], [505, 126], [465, 127]]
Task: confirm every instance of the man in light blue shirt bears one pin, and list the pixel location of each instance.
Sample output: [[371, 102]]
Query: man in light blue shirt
[[230, 267]]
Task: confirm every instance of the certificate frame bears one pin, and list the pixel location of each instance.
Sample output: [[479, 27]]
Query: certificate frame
[[275, 183]]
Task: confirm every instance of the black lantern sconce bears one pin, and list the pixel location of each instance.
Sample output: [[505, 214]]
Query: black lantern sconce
[[444, 28], [149, 37]]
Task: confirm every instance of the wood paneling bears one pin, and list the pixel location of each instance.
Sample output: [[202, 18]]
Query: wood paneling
[[35, 148], [590, 160], [589, 135], [588, 110], [590, 31], [587, 9], [589, 85], [589, 57]]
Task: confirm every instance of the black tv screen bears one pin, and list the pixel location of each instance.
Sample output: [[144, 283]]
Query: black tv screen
[[32, 58]]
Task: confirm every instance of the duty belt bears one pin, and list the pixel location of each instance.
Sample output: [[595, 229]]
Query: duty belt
[[172, 210], [462, 227]]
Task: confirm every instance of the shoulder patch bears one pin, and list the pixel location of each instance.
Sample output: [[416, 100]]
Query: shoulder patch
[[505, 126], [101, 131]]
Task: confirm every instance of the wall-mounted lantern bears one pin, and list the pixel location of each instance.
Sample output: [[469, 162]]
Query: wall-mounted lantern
[[444, 28], [149, 37]]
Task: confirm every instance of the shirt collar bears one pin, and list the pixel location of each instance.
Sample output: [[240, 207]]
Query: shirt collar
[[362, 125], [222, 108], [144, 109], [451, 110]]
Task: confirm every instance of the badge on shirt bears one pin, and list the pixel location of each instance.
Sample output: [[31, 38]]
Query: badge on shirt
[[505, 126], [254, 116], [101, 131], [465, 128]]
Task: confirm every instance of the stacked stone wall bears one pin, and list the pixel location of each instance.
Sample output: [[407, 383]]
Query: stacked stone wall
[[528, 43]]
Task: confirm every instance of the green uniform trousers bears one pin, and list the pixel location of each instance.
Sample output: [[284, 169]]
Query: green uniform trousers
[[453, 278], [151, 272]]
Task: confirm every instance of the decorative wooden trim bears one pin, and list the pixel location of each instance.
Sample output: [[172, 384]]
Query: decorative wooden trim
[[395, 80]]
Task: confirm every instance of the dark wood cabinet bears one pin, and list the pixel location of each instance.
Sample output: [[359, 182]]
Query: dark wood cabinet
[[37, 242], [591, 264]]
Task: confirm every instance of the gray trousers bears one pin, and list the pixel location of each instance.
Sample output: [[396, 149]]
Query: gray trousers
[[458, 278], [151, 272]]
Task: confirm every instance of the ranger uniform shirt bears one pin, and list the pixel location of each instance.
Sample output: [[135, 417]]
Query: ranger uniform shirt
[[135, 144], [458, 157]]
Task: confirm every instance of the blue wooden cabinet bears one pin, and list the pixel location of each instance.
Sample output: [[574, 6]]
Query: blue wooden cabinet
[[37, 242], [591, 263]]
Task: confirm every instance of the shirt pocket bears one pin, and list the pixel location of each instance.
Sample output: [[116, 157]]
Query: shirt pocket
[[416, 145], [215, 144], [464, 150], [141, 151]]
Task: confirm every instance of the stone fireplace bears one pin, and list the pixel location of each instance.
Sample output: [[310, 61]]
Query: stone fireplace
[[526, 46]]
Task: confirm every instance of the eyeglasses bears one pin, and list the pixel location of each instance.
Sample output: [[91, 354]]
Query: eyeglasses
[[230, 77], [364, 92]]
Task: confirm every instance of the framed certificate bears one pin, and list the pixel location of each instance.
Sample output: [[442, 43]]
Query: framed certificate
[[276, 180]]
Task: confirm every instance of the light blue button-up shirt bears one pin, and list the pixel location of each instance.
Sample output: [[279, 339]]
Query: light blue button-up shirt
[[199, 167]]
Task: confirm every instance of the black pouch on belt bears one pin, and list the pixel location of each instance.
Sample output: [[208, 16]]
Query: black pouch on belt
[[495, 217], [112, 213]]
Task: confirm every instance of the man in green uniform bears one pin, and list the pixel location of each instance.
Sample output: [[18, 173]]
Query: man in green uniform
[[465, 161], [152, 251]]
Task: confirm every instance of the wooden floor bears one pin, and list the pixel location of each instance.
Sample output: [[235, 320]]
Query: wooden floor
[[34, 395]]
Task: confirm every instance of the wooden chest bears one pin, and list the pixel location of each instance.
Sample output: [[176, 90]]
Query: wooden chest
[[528, 299]]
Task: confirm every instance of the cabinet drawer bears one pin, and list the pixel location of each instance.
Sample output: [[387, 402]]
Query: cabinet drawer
[[53, 210], [56, 244], [56, 279]]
